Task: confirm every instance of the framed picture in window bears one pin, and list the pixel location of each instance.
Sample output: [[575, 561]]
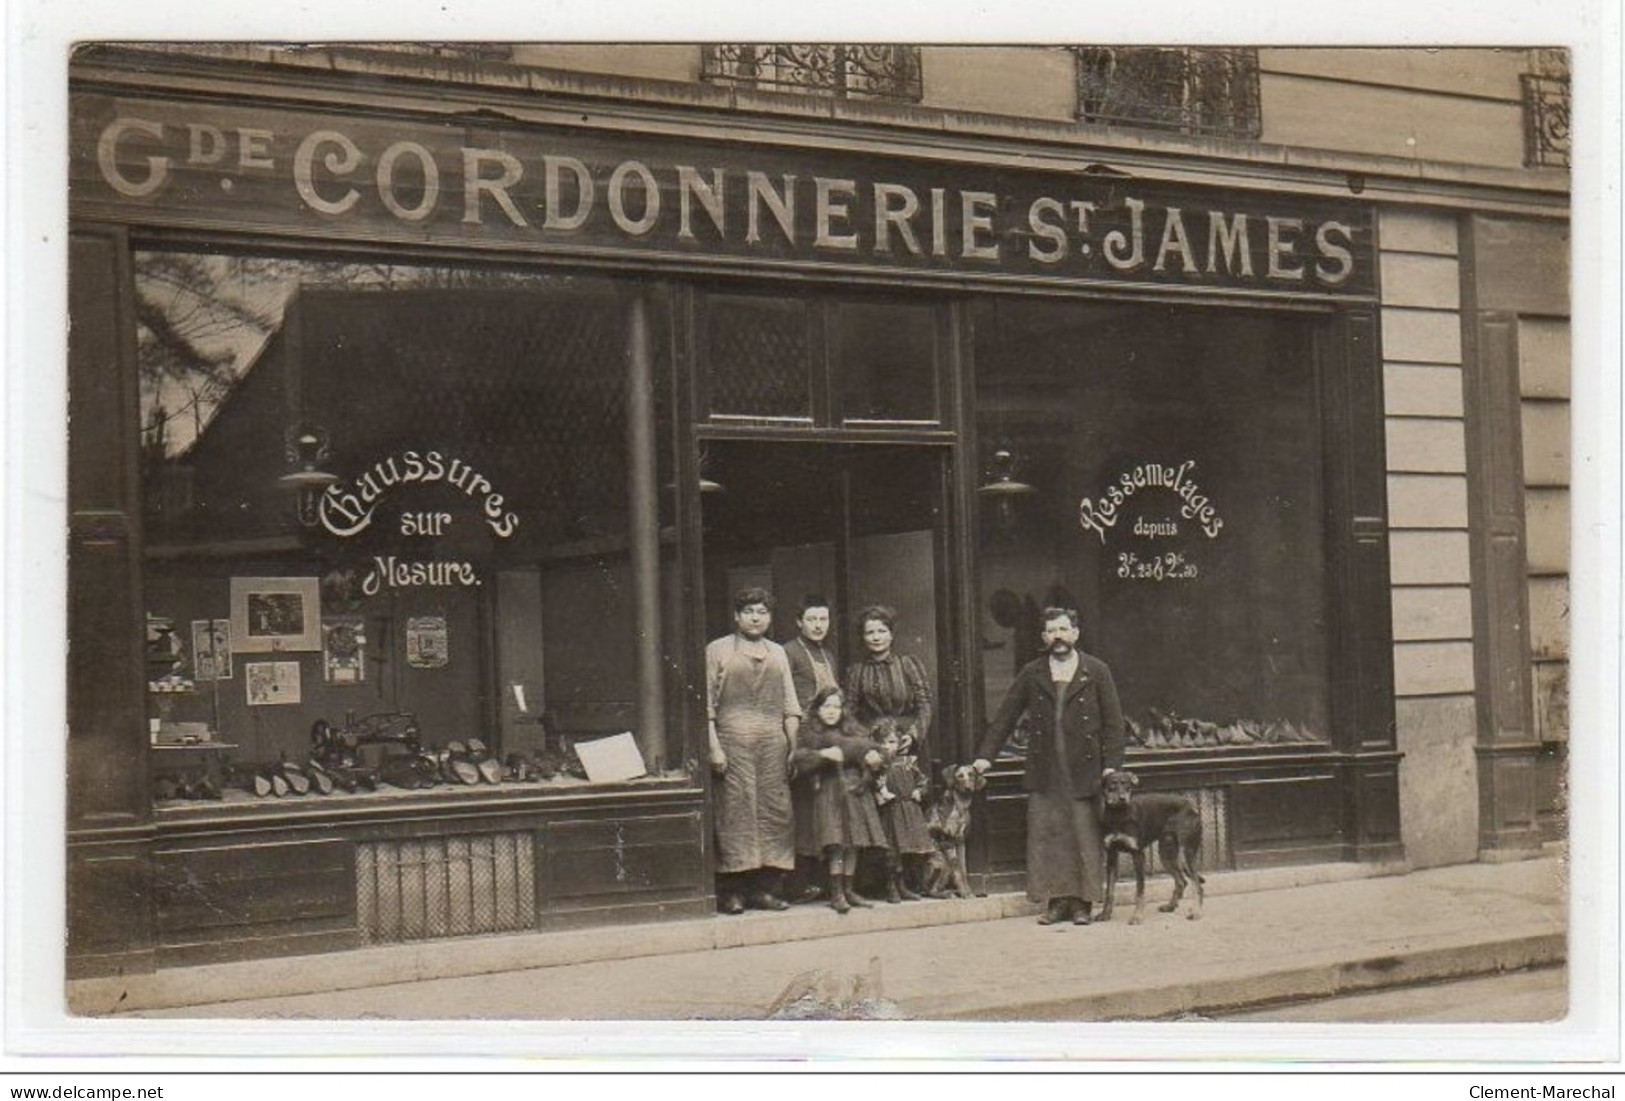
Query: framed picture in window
[[275, 614], [426, 642], [271, 683], [344, 649], [211, 649]]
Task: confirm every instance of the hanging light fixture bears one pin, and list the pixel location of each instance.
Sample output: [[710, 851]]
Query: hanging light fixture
[[1003, 487], [1002, 480], [1001, 483], [306, 448], [707, 484]]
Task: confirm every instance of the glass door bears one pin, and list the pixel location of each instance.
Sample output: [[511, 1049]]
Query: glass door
[[855, 524]]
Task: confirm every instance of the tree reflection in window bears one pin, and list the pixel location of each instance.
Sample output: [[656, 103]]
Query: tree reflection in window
[[202, 318], [205, 320]]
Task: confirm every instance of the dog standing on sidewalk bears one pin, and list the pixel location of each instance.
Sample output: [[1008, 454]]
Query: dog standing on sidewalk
[[1133, 823]]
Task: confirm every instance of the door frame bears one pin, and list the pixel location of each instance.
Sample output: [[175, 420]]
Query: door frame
[[696, 431]]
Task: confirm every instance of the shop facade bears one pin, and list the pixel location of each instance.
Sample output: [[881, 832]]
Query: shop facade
[[421, 429]]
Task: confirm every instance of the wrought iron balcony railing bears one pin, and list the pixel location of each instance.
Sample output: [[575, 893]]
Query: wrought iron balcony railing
[[868, 72], [1190, 90]]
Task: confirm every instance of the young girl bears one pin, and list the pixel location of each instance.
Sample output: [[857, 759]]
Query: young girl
[[832, 764], [902, 811]]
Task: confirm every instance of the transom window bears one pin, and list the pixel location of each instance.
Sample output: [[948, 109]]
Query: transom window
[[820, 362]]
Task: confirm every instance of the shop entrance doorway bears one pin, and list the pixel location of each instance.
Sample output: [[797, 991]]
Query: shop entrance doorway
[[857, 524]]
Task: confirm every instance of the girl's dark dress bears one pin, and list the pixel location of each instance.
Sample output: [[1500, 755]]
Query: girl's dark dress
[[835, 803], [907, 831]]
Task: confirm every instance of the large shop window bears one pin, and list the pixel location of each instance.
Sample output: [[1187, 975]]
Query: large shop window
[[389, 527], [1158, 469]]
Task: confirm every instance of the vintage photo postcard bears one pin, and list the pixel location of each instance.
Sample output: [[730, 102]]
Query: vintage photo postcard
[[1016, 533]]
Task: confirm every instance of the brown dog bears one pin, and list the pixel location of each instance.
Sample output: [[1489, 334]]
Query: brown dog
[[950, 822], [1133, 823]]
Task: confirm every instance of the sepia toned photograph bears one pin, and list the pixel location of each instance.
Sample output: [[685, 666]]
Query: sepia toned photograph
[[1041, 534]]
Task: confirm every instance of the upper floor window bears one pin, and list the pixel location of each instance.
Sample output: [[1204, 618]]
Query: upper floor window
[[1191, 90], [1546, 109], [868, 72]]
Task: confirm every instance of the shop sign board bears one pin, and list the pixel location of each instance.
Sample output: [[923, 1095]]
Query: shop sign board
[[462, 182]]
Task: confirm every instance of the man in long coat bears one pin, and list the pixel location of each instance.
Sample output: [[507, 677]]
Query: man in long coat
[[1071, 706]]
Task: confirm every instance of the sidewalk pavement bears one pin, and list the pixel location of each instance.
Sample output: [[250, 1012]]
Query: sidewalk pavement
[[1265, 936]]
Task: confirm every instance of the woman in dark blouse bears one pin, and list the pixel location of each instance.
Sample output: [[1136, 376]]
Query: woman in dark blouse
[[886, 684]]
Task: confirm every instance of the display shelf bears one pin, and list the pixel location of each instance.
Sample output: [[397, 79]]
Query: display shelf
[[244, 807]]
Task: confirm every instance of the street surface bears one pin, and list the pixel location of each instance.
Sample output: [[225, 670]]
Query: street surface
[[949, 960], [1539, 994]]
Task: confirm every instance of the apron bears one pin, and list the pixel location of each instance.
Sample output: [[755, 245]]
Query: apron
[[823, 673], [755, 827]]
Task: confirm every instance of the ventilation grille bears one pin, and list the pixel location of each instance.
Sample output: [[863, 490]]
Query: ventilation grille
[[445, 887]]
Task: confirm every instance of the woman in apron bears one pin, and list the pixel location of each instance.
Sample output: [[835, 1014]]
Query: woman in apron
[[754, 717]]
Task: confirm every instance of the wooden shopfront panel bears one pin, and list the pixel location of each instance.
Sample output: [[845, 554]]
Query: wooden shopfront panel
[[345, 873], [231, 897], [605, 861]]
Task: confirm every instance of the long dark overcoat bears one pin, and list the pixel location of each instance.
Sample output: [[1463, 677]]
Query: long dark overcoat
[[1092, 718]]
